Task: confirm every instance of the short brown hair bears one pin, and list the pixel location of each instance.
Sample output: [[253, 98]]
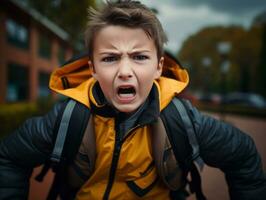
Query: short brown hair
[[126, 13]]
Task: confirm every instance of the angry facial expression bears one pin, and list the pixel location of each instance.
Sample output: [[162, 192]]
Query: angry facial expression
[[125, 63]]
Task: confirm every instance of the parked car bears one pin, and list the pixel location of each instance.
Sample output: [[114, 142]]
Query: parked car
[[245, 99], [211, 98]]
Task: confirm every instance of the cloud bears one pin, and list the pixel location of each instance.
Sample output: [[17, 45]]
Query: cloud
[[180, 22], [228, 6], [181, 18]]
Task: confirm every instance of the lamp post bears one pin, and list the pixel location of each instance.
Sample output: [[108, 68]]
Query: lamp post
[[206, 62], [223, 49]]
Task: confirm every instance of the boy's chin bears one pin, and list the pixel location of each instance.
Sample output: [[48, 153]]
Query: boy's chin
[[127, 108]]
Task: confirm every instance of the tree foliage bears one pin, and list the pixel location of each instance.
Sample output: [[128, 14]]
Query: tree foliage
[[260, 21], [244, 57], [68, 14]]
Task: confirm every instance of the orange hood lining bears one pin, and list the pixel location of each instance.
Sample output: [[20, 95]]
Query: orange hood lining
[[77, 77]]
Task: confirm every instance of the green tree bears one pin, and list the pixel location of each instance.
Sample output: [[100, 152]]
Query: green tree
[[260, 22], [243, 56], [68, 14]]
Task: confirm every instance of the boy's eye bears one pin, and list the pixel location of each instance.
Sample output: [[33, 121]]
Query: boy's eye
[[110, 59], [140, 57]]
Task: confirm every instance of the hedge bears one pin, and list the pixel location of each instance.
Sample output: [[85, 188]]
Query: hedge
[[13, 115]]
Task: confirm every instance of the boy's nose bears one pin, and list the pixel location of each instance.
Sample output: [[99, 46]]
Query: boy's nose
[[125, 70]]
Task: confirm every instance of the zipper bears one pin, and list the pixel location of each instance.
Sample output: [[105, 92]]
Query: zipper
[[118, 144], [117, 148], [130, 130]]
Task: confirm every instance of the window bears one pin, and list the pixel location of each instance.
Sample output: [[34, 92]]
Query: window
[[45, 46], [17, 34], [18, 83], [43, 84]]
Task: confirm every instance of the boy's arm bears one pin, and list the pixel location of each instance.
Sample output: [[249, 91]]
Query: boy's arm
[[29, 146], [234, 152]]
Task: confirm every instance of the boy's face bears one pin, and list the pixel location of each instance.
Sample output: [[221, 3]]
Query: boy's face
[[125, 63]]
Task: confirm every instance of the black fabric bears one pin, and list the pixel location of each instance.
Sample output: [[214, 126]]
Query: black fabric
[[76, 129], [234, 152], [27, 147], [79, 172], [181, 194], [39, 177], [182, 150], [58, 120], [55, 187], [47, 165], [78, 123], [125, 122], [189, 128], [195, 183], [65, 82], [59, 188], [221, 146], [62, 132], [103, 108], [141, 191]]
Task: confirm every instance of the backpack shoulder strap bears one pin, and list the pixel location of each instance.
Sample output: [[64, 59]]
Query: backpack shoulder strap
[[59, 135], [70, 125], [78, 121], [68, 131], [56, 155], [181, 108], [187, 150]]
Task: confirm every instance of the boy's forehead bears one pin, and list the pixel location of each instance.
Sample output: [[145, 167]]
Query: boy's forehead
[[120, 37], [122, 32]]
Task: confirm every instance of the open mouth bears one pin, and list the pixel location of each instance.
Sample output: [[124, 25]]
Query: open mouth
[[126, 92]]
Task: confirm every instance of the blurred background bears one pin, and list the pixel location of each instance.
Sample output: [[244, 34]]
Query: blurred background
[[221, 43]]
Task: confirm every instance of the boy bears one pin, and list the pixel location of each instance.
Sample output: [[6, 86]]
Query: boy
[[126, 94]]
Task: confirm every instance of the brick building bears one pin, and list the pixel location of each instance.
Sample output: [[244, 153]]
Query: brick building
[[31, 47]]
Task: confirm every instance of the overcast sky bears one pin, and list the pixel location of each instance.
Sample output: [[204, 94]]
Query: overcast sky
[[181, 18]]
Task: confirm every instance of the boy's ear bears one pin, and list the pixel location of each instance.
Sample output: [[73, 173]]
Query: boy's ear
[[160, 68], [91, 68]]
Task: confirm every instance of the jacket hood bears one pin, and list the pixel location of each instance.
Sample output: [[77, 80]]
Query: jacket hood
[[74, 80]]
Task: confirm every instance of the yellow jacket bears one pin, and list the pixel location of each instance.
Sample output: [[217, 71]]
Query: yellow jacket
[[123, 167]]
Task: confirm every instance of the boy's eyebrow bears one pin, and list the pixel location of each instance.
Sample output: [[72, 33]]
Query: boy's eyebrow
[[109, 53], [139, 51], [119, 53]]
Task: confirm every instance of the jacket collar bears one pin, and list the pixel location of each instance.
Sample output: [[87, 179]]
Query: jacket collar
[[146, 114]]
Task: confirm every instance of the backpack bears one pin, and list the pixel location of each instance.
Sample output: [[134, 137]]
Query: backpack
[[75, 116]]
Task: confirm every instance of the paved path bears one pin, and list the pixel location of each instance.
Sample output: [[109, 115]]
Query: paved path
[[214, 185]]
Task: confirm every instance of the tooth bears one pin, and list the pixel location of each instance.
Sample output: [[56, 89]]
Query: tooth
[[126, 95]]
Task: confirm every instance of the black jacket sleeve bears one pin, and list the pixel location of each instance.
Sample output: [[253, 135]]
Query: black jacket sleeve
[[234, 152], [29, 146]]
